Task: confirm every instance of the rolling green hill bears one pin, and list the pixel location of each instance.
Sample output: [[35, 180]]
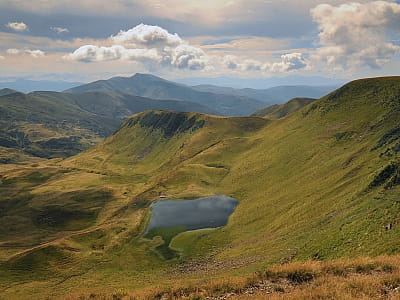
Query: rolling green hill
[[150, 86], [319, 184], [278, 111], [52, 124]]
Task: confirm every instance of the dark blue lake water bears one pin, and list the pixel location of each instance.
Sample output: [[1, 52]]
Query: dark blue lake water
[[207, 212]]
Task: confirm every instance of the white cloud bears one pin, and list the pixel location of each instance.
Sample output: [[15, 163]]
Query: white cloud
[[91, 53], [13, 51], [234, 63], [2, 57], [188, 57], [290, 62], [146, 44], [231, 62], [147, 35], [356, 34], [33, 53], [17, 26], [59, 30]]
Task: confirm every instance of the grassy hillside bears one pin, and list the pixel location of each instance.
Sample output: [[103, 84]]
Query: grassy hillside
[[150, 86], [319, 184], [278, 111], [51, 124]]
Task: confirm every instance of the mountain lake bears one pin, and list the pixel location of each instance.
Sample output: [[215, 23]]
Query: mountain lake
[[206, 212]]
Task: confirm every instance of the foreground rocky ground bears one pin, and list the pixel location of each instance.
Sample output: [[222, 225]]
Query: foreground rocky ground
[[362, 278]]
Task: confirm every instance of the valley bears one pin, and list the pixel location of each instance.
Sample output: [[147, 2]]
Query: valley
[[317, 181]]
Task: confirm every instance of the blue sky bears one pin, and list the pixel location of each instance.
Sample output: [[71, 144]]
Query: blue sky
[[92, 39]]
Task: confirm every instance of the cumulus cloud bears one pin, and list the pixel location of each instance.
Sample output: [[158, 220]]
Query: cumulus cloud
[[289, 62], [13, 51], [17, 26], [356, 34], [33, 53], [59, 30], [147, 35], [91, 53], [231, 62], [188, 57], [234, 63], [146, 44]]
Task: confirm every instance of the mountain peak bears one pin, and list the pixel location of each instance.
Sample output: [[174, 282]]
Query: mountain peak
[[147, 76]]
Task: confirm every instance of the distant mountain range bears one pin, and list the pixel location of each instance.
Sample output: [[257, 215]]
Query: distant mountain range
[[150, 86], [220, 100], [27, 86], [263, 82], [224, 100], [274, 95]]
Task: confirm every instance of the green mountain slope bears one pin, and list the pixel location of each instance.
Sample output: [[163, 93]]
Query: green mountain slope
[[51, 124], [321, 183], [278, 111], [150, 86]]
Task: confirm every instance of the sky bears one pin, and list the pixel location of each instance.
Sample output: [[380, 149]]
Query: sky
[[95, 39]]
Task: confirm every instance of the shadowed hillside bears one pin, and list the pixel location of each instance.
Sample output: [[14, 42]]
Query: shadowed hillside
[[274, 95]]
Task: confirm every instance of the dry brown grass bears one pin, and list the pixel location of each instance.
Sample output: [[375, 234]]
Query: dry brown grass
[[360, 278]]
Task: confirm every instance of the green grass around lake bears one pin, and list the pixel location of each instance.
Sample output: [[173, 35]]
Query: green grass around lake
[[166, 234]]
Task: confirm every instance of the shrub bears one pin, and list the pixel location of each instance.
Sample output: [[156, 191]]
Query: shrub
[[300, 276], [368, 268]]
